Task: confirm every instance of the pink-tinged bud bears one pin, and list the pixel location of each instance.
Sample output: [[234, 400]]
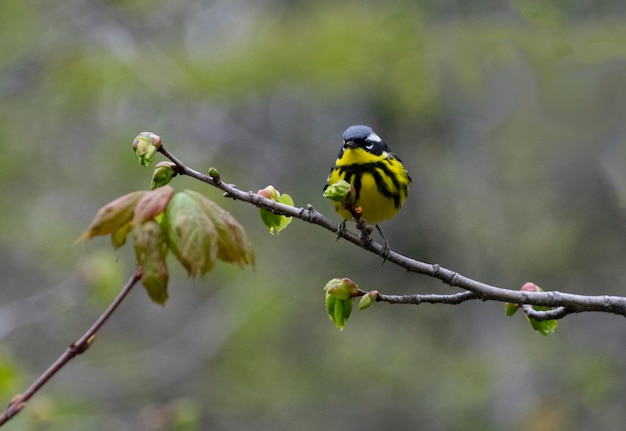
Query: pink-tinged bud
[[531, 287], [269, 192], [163, 174], [368, 299], [274, 222], [146, 145], [150, 137], [512, 308], [342, 288]]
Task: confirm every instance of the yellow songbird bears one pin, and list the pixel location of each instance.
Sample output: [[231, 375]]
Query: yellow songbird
[[379, 179]]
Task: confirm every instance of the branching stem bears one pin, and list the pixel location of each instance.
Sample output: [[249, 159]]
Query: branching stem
[[76, 348], [562, 303]]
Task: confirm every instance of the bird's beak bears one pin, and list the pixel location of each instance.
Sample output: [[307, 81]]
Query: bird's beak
[[349, 144]]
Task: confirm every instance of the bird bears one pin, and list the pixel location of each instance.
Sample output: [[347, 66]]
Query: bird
[[378, 177]]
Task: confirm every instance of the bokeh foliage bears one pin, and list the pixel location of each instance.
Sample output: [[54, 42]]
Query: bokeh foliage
[[508, 115]]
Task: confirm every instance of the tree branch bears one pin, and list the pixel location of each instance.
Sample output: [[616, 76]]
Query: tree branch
[[555, 313], [76, 348], [563, 303], [453, 299]]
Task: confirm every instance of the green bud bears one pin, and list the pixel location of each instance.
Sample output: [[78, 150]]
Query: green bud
[[368, 299], [340, 191], [213, 173], [339, 295], [146, 145], [342, 288], [163, 174]]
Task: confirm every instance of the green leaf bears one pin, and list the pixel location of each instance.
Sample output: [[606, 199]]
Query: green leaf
[[191, 234], [150, 253], [152, 204], [274, 222], [340, 292], [113, 216], [544, 327], [511, 308], [118, 238], [338, 310], [233, 243]]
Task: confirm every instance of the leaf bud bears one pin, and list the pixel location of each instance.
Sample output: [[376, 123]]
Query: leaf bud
[[146, 145], [274, 222], [213, 173], [342, 288], [163, 174], [368, 299], [340, 191], [531, 287], [269, 192]]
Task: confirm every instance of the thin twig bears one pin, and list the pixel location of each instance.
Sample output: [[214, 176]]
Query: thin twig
[[570, 303], [452, 299], [76, 348], [541, 315]]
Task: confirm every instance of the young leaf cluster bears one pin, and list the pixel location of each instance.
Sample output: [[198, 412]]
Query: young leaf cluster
[[274, 222], [196, 230], [544, 327]]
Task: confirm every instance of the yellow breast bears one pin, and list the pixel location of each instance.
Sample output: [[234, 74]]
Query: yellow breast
[[381, 183]]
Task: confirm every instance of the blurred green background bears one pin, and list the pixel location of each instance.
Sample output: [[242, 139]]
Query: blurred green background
[[509, 115]]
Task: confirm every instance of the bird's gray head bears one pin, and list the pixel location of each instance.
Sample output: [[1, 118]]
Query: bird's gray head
[[363, 137]]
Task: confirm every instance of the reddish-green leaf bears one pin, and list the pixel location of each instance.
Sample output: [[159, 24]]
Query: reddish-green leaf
[[233, 243], [152, 204], [112, 216], [191, 234], [150, 253]]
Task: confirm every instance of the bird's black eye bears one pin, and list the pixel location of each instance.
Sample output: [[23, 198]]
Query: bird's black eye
[[369, 145]]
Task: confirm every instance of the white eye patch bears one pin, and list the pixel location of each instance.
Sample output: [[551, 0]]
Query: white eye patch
[[373, 137]]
